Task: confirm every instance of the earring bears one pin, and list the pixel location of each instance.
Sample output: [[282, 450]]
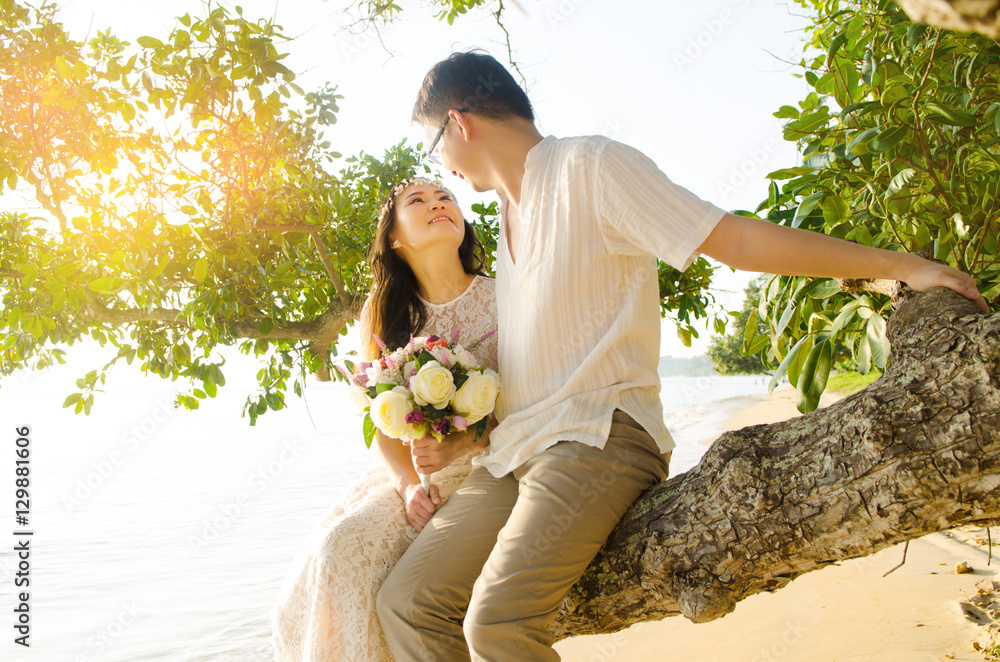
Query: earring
[[396, 243]]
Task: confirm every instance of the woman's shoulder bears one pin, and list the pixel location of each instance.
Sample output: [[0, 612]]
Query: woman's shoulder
[[486, 282]]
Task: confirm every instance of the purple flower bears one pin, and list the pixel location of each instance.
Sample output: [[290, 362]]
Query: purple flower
[[459, 423], [415, 416], [454, 336], [442, 426]]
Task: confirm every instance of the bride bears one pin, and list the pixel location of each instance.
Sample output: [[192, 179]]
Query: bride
[[426, 265]]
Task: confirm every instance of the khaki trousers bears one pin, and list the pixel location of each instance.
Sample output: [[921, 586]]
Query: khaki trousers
[[486, 576]]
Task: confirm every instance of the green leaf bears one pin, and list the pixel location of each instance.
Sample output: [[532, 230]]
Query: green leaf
[[685, 335], [369, 430], [64, 68], [825, 288], [868, 68], [72, 399], [878, 341], [835, 210], [783, 368], [790, 173], [200, 271], [107, 284], [887, 139], [835, 45], [863, 355], [481, 427], [805, 208], [947, 115], [787, 113], [845, 315], [859, 145], [423, 358], [149, 42], [795, 366], [750, 330], [814, 375], [900, 181]]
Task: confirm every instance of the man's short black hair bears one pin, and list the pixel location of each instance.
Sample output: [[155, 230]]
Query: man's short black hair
[[473, 80]]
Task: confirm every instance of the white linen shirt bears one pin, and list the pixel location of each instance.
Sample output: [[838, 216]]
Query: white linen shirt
[[579, 313]]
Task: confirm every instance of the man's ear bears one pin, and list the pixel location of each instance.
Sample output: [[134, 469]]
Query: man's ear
[[465, 122]]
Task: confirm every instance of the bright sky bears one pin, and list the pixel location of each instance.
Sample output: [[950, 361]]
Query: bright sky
[[693, 85]]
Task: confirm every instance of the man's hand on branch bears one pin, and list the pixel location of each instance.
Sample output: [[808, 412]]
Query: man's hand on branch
[[926, 275]]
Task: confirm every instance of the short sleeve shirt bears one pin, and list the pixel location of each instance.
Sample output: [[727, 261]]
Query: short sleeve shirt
[[578, 313]]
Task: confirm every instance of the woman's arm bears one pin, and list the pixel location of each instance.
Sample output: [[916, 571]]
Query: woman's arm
[[419, 506]]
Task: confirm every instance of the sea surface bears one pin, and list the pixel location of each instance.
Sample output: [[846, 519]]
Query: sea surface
[[164, 534]]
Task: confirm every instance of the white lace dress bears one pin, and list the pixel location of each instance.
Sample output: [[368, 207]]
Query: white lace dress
[[326, 608]]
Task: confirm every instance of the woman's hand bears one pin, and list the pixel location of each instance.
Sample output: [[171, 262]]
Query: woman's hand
[[419, 506], [430, 455]]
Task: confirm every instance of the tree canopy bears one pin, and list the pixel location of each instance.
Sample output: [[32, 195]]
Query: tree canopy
[[182, 196]]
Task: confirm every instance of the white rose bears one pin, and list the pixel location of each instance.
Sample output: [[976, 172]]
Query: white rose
[[409, 370], [467, 359], [433, 385], [376, 375], [444, 355], [389, 410], [477, 396]]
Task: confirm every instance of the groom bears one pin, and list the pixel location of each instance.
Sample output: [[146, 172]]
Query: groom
[[581, 430]]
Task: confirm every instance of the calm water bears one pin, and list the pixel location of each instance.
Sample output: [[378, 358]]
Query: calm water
[[162, 534]]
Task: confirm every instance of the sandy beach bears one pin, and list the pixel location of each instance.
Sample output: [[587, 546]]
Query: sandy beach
[[846, 612]]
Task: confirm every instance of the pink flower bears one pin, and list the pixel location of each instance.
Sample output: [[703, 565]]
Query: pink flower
[[442, 426], [415, 416], [459, 423]]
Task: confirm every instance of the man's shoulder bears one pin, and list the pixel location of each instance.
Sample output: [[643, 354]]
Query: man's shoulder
[[592, 147]]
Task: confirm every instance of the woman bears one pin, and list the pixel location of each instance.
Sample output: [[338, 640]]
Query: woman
[[426, 265]]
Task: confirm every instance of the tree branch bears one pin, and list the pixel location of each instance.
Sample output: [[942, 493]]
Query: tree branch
[[313, 231], [916, 452]]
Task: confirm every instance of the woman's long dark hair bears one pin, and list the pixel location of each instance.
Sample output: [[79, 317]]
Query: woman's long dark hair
[[394, 309]]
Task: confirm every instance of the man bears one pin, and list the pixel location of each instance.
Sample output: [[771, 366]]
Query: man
[[581, 430]]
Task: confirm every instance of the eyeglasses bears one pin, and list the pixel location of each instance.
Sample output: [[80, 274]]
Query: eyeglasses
[[431, 156]]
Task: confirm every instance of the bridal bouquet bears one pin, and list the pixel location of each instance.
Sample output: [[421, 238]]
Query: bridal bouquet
[[431, 386]]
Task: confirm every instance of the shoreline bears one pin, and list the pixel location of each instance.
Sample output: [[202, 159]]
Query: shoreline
[[845, 611]]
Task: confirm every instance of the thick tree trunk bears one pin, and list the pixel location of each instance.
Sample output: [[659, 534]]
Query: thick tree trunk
[[918, 451], [964, 15]]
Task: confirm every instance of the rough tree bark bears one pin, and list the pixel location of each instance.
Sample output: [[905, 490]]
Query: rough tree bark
[[916, 452], [964, 15]]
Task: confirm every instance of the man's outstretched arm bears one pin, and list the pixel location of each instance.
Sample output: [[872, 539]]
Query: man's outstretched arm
[[749, 244]]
